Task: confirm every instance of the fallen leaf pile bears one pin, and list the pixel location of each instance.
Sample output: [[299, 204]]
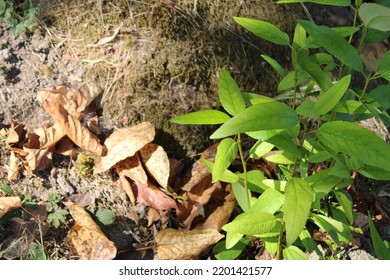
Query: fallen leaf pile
[[146, 174]]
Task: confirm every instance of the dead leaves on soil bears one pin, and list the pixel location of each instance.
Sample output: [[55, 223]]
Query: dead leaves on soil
[[146, 174]]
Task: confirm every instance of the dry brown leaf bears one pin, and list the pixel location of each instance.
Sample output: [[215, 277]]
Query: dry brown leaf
[[67, 148], [126, 186], [152, 196], [124, 143], [132, 168], [184, 244], [15, 134], [199, 171], [13, 171], [48, 137], [85, 239], [156, 162], [9, 203], [73, 101], [221, 215], [37, 159], [176, 167]]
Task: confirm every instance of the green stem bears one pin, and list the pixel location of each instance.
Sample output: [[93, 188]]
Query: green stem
[[280, 243], [243, 162], [361, 43]]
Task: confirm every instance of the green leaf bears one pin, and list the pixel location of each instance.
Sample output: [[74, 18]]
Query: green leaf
[[335, 44], [226, 153], [232, 238], [202, 117], [255, 179], [253, 224], [381, 250], [309, 243], [375, 16], [298, 199], [288, 81], [270, 244], [105, 216], [57, 217], [279, 157], [18, 29], [346, 203], [242, 196], [299, 36], [323, 2], [310, 66], [227, 176], [221, 253], [339, 231], [269, 202], [230, 94], [263, 116], [3, 7], [277, 67], [384, 66], [332, 96], [357, 142], [264, 30], [260, 149], [294, 253], [323, 183], [36, 252], [306, 109], [381, 94], [375, 36]]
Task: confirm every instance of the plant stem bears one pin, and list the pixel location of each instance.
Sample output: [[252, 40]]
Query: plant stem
[[243, 162], [279, 250]]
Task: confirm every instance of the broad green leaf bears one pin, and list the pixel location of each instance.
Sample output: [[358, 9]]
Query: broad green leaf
[[264, 30], [230, 94], [346, 203], [345, 31], [298, 199], [323, 2], [299, 36], [294, 253], [278, 185], [264, 135], [254, 98], [289, 80], [222, 253], [381, 250], [232, 238], [384, 66], [375, 16], [310, 66], [227, 176], [202, 117], [339, 231], [263, 116], [270, 244], [253, 224], [255, 180], [277, 67], [36, 252], [242, 196], [325, 59], [322, 183], [332, 96], [284, 142], [350, 107], [381, 94], [269, 202], [355, 141], [278, 157], [3, 7], [335, 44], [375, 36], [309, 243], [226, 153], [260, 149], [306, 109]]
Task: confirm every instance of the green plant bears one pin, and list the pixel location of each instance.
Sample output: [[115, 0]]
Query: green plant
[[21, 18], [56, 214], [308, 130]]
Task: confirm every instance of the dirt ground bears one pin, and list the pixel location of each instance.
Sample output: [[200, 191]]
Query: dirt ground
[[57, 53]]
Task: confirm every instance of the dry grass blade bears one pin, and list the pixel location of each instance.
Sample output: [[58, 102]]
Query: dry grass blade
[[184, 244]]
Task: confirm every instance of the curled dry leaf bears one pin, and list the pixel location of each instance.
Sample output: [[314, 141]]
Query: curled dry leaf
[[15, 134], [85, 239], [124, 143], [156, 162], [184, 244], [9, 203], [48, 137], [13, 170], [37, 159], [126, 186], [132, 168]]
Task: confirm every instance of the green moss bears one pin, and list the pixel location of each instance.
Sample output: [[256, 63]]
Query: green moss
[[85, 164]]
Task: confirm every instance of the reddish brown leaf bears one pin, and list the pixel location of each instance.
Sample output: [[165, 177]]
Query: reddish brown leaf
[[156, 162], [152, 196], [132, 168], [124, 143], [184, 244], [126, 186]]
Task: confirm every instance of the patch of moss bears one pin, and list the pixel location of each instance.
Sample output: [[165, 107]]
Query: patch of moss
[[85, 164]]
